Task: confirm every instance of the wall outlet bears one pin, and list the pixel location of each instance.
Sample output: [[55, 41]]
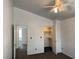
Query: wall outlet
[[35, 48], [30, 37]]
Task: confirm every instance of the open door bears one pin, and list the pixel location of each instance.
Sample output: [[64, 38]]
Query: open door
[[20, 38]]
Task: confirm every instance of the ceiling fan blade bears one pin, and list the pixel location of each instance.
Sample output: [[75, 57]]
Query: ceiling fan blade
[[48, 6], [52, 10]]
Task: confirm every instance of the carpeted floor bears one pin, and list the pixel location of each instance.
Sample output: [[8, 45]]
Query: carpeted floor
[[21, 54]]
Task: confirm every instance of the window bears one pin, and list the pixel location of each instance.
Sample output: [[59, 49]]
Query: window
[[20, 34]]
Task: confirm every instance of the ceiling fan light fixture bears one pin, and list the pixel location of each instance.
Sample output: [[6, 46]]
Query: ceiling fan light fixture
[[55, 10], [57, 6]]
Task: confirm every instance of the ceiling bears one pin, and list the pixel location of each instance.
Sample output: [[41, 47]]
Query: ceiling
[[36, 6]]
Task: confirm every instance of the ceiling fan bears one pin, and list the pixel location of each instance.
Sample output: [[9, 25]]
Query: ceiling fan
[[59, 5]]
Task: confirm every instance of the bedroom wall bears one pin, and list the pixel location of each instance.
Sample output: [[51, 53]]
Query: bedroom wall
[[68, 37], [35, 24]]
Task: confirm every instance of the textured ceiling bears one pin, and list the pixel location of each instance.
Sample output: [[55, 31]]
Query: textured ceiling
[[36, 6]]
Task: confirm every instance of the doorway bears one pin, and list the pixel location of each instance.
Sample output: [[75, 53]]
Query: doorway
[[20, 38], [48, 38]]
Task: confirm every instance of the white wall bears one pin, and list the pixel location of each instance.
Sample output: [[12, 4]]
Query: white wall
[[68, 36], [35, 25], [7, 37]]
